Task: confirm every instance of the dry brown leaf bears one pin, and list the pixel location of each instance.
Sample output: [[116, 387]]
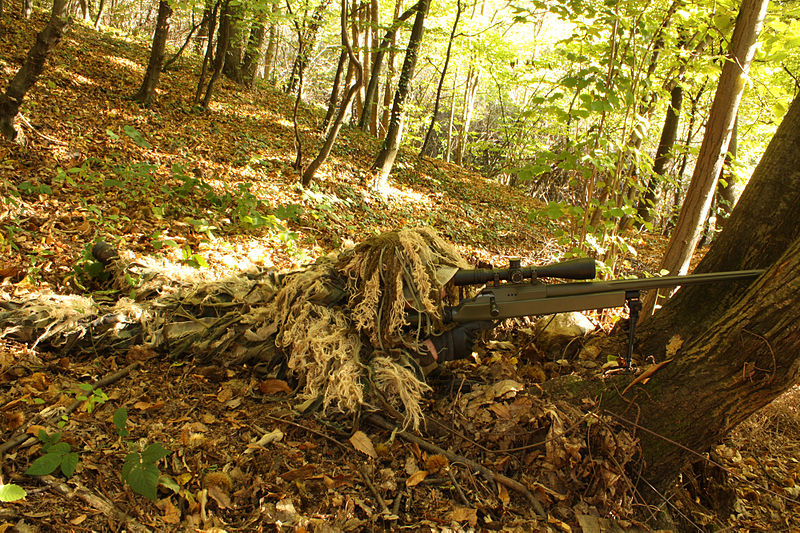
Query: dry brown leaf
[[363, 443], [416, 478], [673, 345], [224, 395], [304, 472], [220, 496], [274, 386], [502, 493], [464, 514]]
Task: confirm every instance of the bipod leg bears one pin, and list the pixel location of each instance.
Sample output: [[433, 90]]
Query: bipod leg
[[634, 306]]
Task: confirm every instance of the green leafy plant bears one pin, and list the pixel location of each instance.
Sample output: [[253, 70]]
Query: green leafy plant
[[56, 454], [93, 397], [140, 467]]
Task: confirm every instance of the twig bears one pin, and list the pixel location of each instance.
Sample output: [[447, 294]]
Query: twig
[[37, 132], [23, 436], [459, 490], [488, 474], [97, 502], [368, 482]]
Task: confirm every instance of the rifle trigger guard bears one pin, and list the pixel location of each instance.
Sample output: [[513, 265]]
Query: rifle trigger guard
[[634, 306]]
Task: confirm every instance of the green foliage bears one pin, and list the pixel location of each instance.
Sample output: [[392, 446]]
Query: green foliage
[[92, 396], [140, 467], [11, 493], [56, 454]]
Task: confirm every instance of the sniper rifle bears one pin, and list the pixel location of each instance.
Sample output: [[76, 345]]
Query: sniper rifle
[[517, 291]]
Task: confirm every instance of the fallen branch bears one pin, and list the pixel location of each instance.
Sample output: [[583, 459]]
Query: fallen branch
[[23, 436], [97, 502], [507, 482]]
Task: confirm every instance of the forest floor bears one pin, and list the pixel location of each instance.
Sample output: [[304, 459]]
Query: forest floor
[[215, 189]]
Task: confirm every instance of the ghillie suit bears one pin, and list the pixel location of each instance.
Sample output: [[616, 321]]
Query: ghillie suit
[[349, 328]]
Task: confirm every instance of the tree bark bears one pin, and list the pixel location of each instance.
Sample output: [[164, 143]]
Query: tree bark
[[32, 68], [148, 88], [760, 228], [715, 142], [223, 40], [232, 67], [426, 143], [386, 44], [255, 49], [208, 56], [471, 89], [169, 62], [726, 192], [337, 82], [391, 145], [308, 37], [100, 11], [663, 154], [741, 344], [325, 151]]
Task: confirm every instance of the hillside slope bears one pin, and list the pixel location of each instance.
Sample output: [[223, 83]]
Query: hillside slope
[[99, 165]]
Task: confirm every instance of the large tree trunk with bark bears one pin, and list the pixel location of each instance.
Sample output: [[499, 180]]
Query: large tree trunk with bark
[[148, 88], [391, 145], [740, 344], [32, 68], [715, 142]]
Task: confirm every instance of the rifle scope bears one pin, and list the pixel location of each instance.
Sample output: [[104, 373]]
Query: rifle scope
[[573, 269]]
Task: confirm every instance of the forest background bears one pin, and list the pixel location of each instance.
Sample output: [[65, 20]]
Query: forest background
[[563, 107]]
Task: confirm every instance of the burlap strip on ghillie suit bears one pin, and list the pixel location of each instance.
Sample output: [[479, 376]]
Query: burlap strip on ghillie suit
[[348, 327]]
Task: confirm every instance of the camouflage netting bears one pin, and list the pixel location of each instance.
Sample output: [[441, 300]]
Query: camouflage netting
[[348, 327]]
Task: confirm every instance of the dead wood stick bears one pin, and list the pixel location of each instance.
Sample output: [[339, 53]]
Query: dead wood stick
[[368, 482], [488, 474], [95, 501], [23, 436], [457, 485]]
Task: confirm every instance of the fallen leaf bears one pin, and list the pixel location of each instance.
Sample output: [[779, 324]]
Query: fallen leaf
[[502, 493], [416, 478], [304, 472], [274, 386], [464, 514], [78, 520], [362, 443], [220, 496]]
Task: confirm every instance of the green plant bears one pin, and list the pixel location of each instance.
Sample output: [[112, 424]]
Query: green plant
[[93, 396], [140, 467], [56, 454]]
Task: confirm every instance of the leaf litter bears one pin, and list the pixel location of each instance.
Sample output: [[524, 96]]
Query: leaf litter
[[241, 458]]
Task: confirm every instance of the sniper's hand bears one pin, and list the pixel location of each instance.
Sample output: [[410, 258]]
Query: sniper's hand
[[456, 343]]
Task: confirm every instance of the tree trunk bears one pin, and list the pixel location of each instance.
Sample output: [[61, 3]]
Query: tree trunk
[[337, 82], [272, 45], [31, 69], [255, 50], [391, 145], [223, 40], [27, 8], [715, 142], [471, 89], [663, 154], [232, 67], [148, 88], [760, 228], [426, 143], [100, 11], [308, 37], [212, 24], [741, 344], [726, 192], [325, 151], [386, 44]]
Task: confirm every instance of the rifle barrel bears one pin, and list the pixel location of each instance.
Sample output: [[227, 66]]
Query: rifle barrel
[[568, 289]]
